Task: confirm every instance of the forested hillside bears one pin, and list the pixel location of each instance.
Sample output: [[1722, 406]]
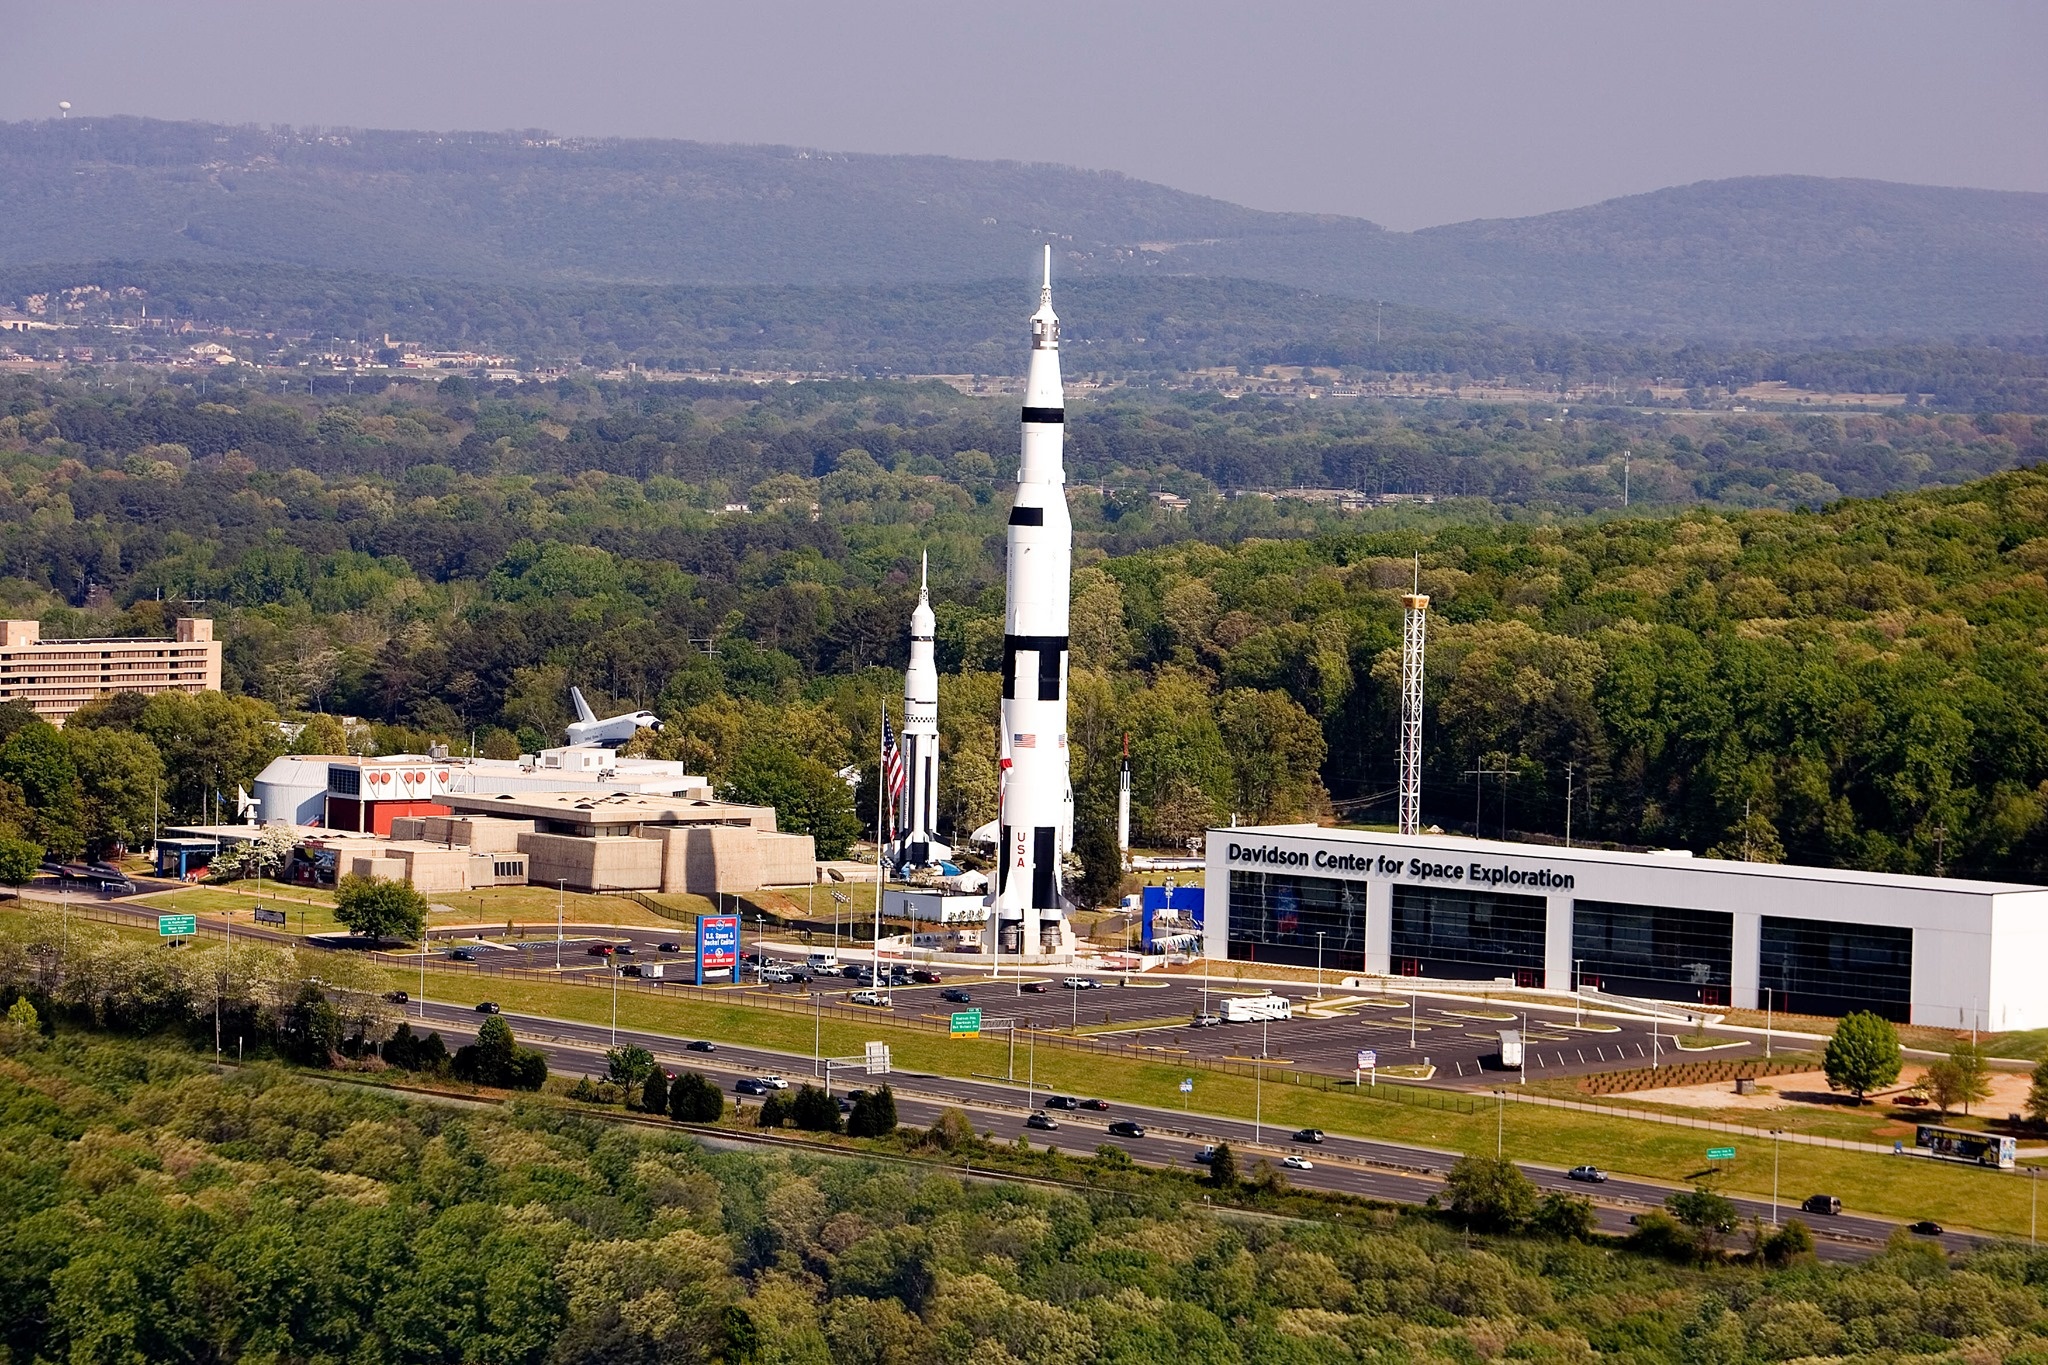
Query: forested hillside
[[1759, 258], [153, 1210], [1850, 686], [1126, 327]]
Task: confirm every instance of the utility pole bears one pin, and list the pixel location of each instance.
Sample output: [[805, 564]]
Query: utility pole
[[1478, 775], [1940, 840], [1568, 774]]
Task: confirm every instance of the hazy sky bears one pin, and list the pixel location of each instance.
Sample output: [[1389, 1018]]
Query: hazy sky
[[1409, 114]]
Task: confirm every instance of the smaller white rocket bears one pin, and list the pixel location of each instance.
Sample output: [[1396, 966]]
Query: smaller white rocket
[[917, 811]]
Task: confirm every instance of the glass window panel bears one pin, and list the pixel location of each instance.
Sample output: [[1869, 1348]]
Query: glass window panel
[[1467, 935], [1655, 951], [1827, 967], [1274, 917]]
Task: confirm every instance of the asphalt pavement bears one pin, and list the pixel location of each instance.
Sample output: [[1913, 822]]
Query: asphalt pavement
[[1395, 1172]]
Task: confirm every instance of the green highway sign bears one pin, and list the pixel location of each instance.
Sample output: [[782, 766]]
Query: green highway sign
[[967, 1023], [177, 926], [1720, 1154]]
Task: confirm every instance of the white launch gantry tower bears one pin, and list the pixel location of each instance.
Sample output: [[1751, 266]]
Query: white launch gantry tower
[[1414, 629]]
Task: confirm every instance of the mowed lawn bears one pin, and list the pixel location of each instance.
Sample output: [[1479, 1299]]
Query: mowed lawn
[[1901, 1187]]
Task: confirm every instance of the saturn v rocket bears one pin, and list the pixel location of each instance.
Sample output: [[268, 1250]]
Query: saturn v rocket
[[1037, 803], [917, 812]]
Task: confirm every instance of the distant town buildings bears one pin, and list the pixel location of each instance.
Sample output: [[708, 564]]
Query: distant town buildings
[[57, 677]]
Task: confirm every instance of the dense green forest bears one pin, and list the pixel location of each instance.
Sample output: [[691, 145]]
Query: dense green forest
[[155, 1209], [1755, 259], [1137, 329], [1858, 685]]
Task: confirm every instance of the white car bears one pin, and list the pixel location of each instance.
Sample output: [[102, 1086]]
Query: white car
[[1079, 983], [1297, 1163], [773, 1082], [875, 998]]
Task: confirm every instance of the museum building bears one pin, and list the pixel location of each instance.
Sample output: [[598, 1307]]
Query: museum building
[[1940, 951]]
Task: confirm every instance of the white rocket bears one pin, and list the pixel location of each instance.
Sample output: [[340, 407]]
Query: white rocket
[[917, 810], [1037, 795]]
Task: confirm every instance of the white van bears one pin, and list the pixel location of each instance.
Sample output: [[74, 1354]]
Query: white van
[[827, 961]]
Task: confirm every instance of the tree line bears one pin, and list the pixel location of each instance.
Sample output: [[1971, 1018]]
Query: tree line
[[154, 1209]]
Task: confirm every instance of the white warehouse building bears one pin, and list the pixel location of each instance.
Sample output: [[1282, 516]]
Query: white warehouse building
[[1944, 952]]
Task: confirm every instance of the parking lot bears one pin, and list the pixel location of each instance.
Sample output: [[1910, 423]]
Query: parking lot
[[1458, 1038]]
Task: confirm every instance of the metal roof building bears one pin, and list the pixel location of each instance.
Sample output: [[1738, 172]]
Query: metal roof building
[[1945, 952]]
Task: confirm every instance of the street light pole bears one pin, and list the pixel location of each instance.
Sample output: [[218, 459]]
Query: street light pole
[[1767, 1023], [1259, 1100], [1774, 1176], [1500, 1126], [1319, 963], [1578, 985], [615, 1004], [561, 895]]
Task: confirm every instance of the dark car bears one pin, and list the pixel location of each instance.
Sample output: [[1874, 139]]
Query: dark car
[[751, 959], [630, 969], [398, 997], [1821, 1203], [670, 948], [1592, 1175], [1033, 988], [488, 1007], [1309, 1135], [747, 1085], [1094, 1104], [853, 971], [926, 976], [1126, 1128], [1042, 1120], [625, 950], [1926, 1227], [1063, 1102], [461, 955], [699, 1045], [955, 994]]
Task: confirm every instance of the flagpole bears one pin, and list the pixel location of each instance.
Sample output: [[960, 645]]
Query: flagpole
[[881, 799]]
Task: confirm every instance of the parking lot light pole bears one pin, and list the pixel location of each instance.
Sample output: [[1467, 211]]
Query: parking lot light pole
[[561, 895], [615, 1004], [1774, 1175], [1319, 963], [1767, 1023], [1259, 1100], [1578, 985], [1500, 1125]]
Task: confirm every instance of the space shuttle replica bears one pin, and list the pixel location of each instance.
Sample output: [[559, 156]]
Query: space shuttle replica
[[1036, 812], [612, 731], [917, 810]]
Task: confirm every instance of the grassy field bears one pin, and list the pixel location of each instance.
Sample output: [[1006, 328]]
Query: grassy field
[[1903, 1188], [310, 911]]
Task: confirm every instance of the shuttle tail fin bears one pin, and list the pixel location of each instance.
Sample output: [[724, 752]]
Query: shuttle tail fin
[[583, 711]]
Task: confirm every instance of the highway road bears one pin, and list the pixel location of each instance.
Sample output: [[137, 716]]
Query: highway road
[[1397, 1173]]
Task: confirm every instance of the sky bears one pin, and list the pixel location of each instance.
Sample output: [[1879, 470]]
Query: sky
[[1408, 114]]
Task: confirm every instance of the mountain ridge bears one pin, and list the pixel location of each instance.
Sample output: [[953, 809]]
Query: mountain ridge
[[1768, 257]]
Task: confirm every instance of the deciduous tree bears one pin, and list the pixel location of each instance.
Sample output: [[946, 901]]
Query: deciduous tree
[[1863, 1055]]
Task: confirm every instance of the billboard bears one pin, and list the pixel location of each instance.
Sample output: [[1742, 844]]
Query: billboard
[[718, 948], [1173, 918]]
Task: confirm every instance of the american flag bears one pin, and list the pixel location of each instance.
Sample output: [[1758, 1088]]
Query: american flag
[[893, 777]]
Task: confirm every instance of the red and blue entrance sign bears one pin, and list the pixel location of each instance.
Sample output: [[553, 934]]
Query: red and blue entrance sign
[[718, 948]]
